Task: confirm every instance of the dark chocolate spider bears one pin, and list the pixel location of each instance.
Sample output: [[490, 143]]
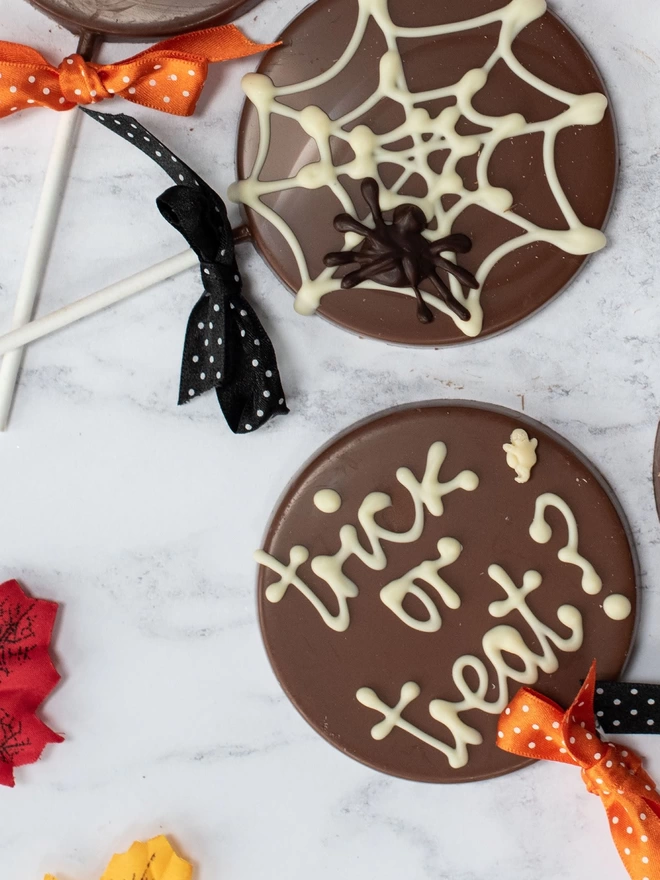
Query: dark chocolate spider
[[396, 254]]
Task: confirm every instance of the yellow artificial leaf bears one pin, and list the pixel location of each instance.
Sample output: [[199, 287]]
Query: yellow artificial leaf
[[153, 860]]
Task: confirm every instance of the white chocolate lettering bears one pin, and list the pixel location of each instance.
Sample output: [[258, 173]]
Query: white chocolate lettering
[[541, 532], [393, 594], [426, 494], [497, 642]]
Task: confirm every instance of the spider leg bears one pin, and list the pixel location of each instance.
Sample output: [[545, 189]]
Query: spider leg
[[466, 278], [424, 313], [370, 194], [340, 258], [368, 253], [343, 258], [346, 223], [367, 271], [448, 297], [457, 244]]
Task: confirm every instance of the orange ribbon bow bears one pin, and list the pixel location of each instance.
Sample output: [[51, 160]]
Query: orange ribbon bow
[[169, 76], [535, 727]]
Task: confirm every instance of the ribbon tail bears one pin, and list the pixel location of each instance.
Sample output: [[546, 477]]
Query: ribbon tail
[[252, 392], [628, 707], [227, 349], [203, 365], [635, 828], [140, 137], [582, 708], [222, 43], [16, 61], [17, 53]]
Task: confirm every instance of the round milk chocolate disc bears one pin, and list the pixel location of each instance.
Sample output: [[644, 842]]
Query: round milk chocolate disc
[[135, 19], [487, 116], [426, 565], [656, 471]]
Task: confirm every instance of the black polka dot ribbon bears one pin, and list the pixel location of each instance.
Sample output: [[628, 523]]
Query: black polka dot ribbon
[[226, 346], [624, 707]]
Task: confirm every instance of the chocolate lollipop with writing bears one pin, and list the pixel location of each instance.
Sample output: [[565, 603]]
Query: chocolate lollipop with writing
[[77, 82], [656, 471], [420, 569]]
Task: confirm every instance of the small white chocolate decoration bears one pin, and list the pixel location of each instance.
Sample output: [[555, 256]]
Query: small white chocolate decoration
[[521, 454], [327, 500], [617, 607]]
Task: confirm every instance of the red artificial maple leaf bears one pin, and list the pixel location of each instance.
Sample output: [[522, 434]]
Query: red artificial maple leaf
[[27, 676]]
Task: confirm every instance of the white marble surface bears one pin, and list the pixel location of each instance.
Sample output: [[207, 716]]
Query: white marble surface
[[140, 518]]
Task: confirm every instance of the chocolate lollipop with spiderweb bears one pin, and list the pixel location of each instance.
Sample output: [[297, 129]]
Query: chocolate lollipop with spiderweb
[[420, 96], [93, 20]]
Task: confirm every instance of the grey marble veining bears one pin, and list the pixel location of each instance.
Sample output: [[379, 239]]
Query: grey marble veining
[[140, 518]]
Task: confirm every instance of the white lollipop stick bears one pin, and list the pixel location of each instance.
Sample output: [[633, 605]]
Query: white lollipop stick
[[88, 305], [41, 237], [38, 249]]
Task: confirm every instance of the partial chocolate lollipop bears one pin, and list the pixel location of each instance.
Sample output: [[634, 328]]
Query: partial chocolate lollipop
[[142, 19], [424, 566], [487, 116], [656, 471]]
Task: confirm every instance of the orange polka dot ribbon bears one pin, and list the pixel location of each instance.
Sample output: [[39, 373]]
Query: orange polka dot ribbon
[[535, 727], [169, 76]]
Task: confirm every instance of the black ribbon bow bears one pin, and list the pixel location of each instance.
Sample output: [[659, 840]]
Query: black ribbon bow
[[226, 346]]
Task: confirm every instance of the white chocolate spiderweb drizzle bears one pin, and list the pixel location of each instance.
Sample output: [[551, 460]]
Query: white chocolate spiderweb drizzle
[[428, 135]]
